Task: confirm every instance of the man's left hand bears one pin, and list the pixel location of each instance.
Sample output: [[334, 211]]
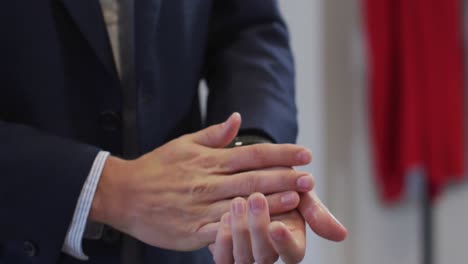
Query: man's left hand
[[249, 235]]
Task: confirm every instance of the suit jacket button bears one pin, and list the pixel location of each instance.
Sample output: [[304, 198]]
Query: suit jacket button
[[30, 249], [146, 99], [109, 120]]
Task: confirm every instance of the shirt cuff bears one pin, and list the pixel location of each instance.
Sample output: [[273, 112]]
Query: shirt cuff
[[72, 245]]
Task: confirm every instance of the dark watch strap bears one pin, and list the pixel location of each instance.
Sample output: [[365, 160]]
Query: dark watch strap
[[245, 140]]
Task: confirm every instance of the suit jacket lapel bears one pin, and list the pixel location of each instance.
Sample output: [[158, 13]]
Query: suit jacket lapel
[[88, 17], [147, 14]]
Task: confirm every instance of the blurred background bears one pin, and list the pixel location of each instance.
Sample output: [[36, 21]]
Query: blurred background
[[328, 40]]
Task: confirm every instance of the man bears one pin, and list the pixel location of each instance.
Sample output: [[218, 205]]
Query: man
[[85, 143]]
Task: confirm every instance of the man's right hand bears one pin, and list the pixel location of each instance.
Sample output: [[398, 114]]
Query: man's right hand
[[174, 196]]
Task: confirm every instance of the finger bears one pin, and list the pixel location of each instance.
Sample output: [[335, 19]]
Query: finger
[[289, 236], [242, 248], [261, 156], [259, 219], [222, 253], [284, 242], [263, 181], [283, 202], [278, 203], [219, 135], [319, 218]]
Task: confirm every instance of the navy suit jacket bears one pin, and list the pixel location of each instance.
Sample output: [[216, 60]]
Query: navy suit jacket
[[61, 99]]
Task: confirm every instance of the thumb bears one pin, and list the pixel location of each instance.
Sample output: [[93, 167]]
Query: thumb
[[207, 233], [219, 135]]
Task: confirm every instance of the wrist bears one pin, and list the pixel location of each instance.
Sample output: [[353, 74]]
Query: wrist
[[106, 195]]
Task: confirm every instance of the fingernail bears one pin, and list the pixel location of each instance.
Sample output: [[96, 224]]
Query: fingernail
[[256, 205], [304, 156], [289, 198], [239, 207], [305, 183]]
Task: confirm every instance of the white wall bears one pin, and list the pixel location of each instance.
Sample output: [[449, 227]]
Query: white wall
[[331, 93]]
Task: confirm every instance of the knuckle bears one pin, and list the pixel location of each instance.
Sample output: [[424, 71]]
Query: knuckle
[[291, 173], [241, 229], [252, 184], [208, 161], [228, 160], [202, 189], [287, 177], [256, 225], [209, 133], [255, 152]]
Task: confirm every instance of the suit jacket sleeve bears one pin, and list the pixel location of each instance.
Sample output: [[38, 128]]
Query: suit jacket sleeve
[[250, 68], [42, 176]]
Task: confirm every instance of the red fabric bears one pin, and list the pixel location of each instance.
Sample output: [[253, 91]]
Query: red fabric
[[416, 90]]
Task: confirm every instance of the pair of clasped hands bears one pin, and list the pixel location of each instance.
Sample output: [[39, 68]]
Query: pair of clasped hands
[[247, 204]]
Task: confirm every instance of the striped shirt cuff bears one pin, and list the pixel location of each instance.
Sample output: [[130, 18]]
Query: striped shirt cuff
[[72, 245]]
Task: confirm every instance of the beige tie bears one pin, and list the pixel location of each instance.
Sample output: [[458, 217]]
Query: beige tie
[[110, 10]]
